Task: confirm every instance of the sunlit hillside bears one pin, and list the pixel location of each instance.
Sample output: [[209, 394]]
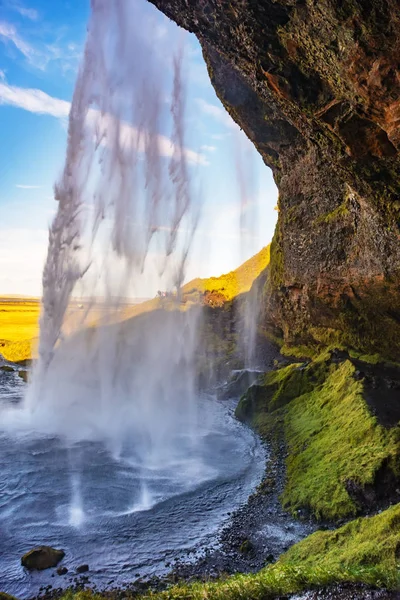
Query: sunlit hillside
[[237, 281], [19, 317]]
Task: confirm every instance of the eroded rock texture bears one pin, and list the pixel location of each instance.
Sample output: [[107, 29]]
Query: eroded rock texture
[[315, 84]]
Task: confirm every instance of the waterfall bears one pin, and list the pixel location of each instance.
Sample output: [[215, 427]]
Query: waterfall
[[127, 213]]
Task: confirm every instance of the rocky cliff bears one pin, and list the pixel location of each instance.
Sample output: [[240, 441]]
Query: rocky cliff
[[315, 84]]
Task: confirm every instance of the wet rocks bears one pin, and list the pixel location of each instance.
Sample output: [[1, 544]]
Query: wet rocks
[[61, 571], [239, 383], [43, 557], [7, 369], [82, 569]]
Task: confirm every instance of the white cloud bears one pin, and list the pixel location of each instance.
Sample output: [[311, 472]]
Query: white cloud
[[33, 100], [2, 75], [216, 112], [38, 102], [22, 186], [9, 33]]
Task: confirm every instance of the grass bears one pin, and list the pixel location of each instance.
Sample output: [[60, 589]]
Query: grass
[[330, 435]]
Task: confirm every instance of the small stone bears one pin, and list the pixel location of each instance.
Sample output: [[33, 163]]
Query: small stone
[[62, 571], [269, 558], [7, 369], [82, 569], [246, 547]]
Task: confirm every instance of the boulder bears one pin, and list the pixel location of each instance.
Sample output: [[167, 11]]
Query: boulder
[[43, 557]]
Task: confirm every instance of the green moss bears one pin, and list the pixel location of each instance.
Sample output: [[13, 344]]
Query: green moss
[[330, 435], [332, 438], [372, 359], [372, 541], [276, 389], [300, 351], [276, 270], [337, 214]]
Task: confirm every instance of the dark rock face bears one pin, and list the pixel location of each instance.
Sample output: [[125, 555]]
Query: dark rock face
[[316, 87], [42, 558]]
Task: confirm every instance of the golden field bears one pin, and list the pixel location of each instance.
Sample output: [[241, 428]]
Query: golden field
[[19, 327]]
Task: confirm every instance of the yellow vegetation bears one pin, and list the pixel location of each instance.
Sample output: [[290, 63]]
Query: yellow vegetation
[[234, 283], [19, 327]]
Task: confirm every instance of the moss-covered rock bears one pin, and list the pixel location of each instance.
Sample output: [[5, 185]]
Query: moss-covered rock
[[338, 454], [41, 558]]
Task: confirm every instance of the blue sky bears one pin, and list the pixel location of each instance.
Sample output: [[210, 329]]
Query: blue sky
[[40, 48]]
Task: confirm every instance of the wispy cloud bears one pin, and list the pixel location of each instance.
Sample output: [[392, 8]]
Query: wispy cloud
[[22, 186], [27, 13], [33, 100], [65, 54], [8, 33], [38, 102]]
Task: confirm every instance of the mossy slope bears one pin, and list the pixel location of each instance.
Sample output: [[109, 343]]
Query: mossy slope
[[333, 441]]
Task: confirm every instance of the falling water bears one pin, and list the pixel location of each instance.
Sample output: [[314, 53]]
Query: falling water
[[124, 207]]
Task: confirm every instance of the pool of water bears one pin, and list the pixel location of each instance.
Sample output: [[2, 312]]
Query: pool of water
[[123, 517]]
